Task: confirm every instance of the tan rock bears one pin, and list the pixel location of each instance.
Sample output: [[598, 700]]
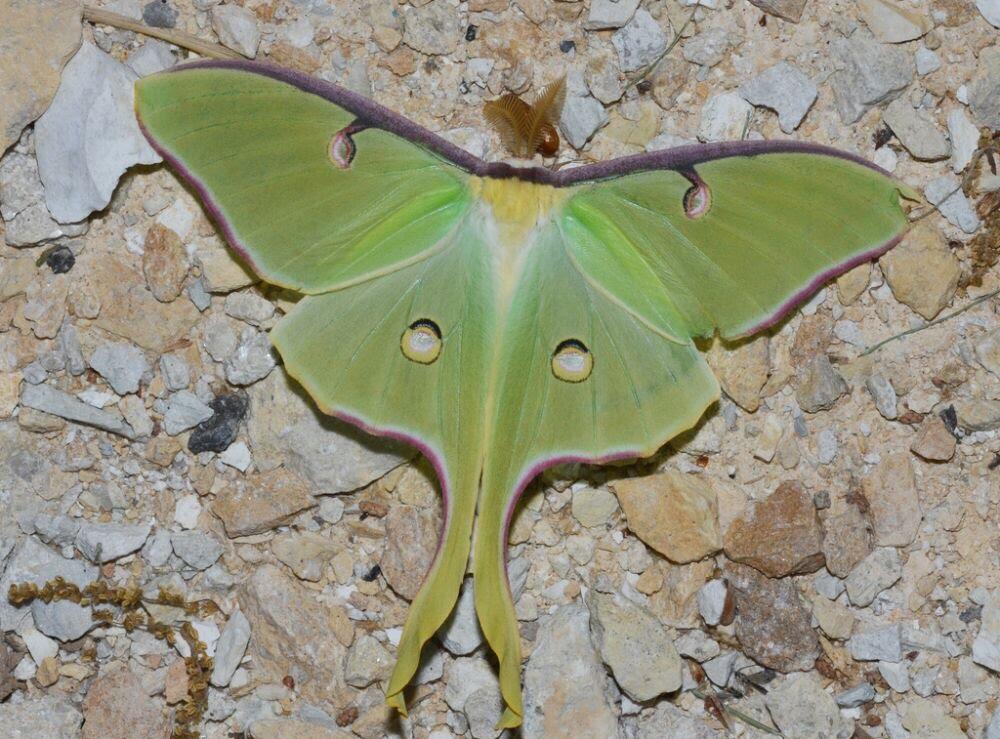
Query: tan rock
[[674, 513], [891, 22], [161, 450], [741, 369], [779, 535], [37, 38], [48, 672], [934, 442], [852, 284], [291, 635], [835, 619], [263, 502], [15, 276], [164, 263], [924, 718], [176, 684], [290, 728], [676, 603], [922, 271], [221, 270], [891, 491], [306, 553], [129, 310], [593, 507], [847, 541], [411, 541], [116, 705], [987, 351], [10, 387]]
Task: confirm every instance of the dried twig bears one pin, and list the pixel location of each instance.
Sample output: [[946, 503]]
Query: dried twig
[[178, 38]]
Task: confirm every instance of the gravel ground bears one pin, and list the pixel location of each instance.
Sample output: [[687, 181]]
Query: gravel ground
[[820, 557]]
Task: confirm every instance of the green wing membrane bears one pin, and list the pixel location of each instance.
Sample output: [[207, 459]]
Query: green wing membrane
[[775, 228], [260, 151], [556, 311]]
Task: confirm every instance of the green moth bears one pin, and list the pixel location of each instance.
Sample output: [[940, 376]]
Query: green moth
[[503, 319]]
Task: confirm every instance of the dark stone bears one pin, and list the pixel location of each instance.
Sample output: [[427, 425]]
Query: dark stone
[[470, 32], [567, 45], [60, 260], [219, 431], [159, 14], [372, 574], [950, 418]]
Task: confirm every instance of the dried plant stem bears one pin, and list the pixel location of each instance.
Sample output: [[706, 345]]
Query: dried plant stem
[[648, 69], [178, 38], [749, 720], [935, 322]]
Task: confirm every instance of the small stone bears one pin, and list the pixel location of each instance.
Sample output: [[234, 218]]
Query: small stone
[[198, 549], [891, 492], [857, 696], [229, 650], [853, 283], [916, 131], [868, 73], [667, 720], [605, 14], [964, 139], [820, 385], [40, 714], [159, 14], [883, 394], [800, 707], [593, 507], [720, 669], [640, 42], [219, 431], [922, 271], [742, 369], [411, 542], [708, 48], [581, 115], [89, 135], [184, 411], [779, 535], [237, 456], [977, 414], [306, 554], [723, 117], [896, 675], [22, 206], [264, 502], [927, 61], [636, 646], [876, 572], [434, 28], [563, 647], [891, 23], [236, 28], [187, 511], [773, 626], [367, 662], [164, 263], [121, 364], [990, 10], [674, 513], [152, 57], [106, 542], [249, 307], [251, 360], [988, 352], [934, 442], [789, 10], [946, 194], [848, 540], [836, 620], [116, 704], [461, 634], [785, 90], [924, 718], [697, 645], [48, 399], [712, 601], [883, 643]]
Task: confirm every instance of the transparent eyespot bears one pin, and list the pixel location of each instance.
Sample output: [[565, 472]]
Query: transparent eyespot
[[697, 201], [421, 342], [572, 361]]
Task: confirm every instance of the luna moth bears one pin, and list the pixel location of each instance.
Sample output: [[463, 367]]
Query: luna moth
[[503, 319]]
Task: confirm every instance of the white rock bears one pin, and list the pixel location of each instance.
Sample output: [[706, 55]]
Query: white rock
[[582, 114], [184, 411], [964, 139], [236, 28], [712, 601], [723, 117], [22, 203], [461, 634], [249, 307], [187, 510], [251, 360], [122, 364], [800, 707], [105, 542], [48, 399], [891, 23], [196, 548], [945, 193], [237, 455], [640, 42], [230, 649], [883, 644], [916, 131], [89, 135], [783, 89], [896, 674], [927, 61], [609, 14], [876, 572], [868, 73], [175, 371], [991, 12], [153, 56], [39, 646]]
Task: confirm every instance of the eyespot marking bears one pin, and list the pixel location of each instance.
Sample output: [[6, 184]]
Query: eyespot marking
[[572, 361], [421, 342], [342, 147], [697, 200]]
